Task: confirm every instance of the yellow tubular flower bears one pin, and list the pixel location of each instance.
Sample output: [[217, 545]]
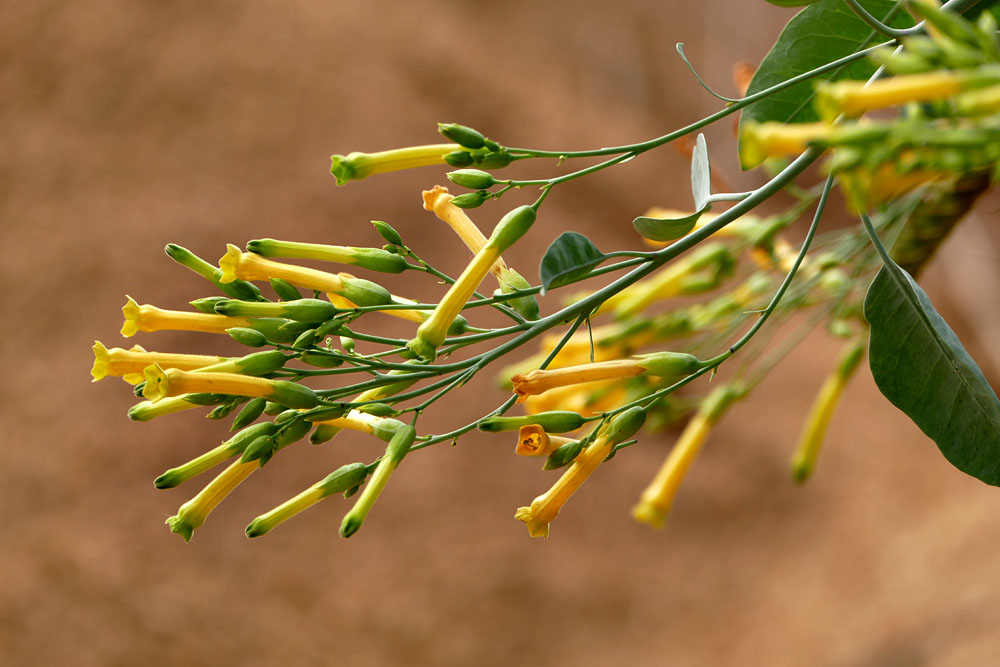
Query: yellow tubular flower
[[811, 440], [533, 440], [760, 141], [575, 398], [540, 381], [356, 166], [193, 513], [236, 264], [545, 508], [658, 497], [438, 201], [150, 318], [853, 98], [162, 383], [355, 421], [118, 362], [418, 316], [432, 333]]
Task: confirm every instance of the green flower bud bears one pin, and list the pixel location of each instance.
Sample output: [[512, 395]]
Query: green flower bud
[[248, 337], [465, 137], [555, 421], [526, 306], [249, 414], [207, 304], [344, 478], [624, 425], [511, 227], [563, 455], [493, 160], [238, 289], [669, 364], [470, 199], [385, 429], [347, 344], [328, 328], [326, 412], [261, 363], [272, 408], [474, 179], [364, 292], [293, 395], [293, 431], [284, 289], [261, 449], [323, 433], [300, 310], [458, 326], [387, 232], [377, 409], [286, 416], [459, 159], [321, 359], [222, 411], [305, 340], [206, 399], [289, 330], [270, 327]]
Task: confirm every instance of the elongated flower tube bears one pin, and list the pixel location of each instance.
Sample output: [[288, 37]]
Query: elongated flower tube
[[357, 166], [213, 457], [811, 440], [147, 410], [251, 266], [438, 200], [760, 141], [432, 333], [853, 98], [162, 383], [399, 445], [192, 514], [150, 318], [129, 364], [660, 364], [545, 508], [340, 480], [656, 500], [375, 259], [556, 421], [239, 289], [533, 440]]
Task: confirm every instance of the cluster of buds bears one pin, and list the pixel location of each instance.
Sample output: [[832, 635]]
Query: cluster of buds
[[947, 86]]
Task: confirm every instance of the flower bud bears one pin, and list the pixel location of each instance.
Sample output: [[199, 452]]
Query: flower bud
[[292, 431], [466, 137], [207, 304], [669, 364], [511, 227], [261, 449], [471, 199], [623, 425], [248, 337], [387, 232], [238, 289], [321, 359], [249, 414], [474, 179], [312, 311], [328, 328], [364, 292], [563, 456], [555, 421], [512, 281], [459, 159], [285, 290], [344, 478], [323, 433], [305, 340], [494, 159]]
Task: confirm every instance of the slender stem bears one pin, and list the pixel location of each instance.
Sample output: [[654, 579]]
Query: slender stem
[[880, 27]]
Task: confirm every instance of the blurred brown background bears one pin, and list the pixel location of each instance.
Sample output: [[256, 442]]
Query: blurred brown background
[[127, 125]]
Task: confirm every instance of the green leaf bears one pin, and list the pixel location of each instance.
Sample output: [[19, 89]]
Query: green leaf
[[569, 258], [819, 34], [701, 174], [666, 229], [920, 365]]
